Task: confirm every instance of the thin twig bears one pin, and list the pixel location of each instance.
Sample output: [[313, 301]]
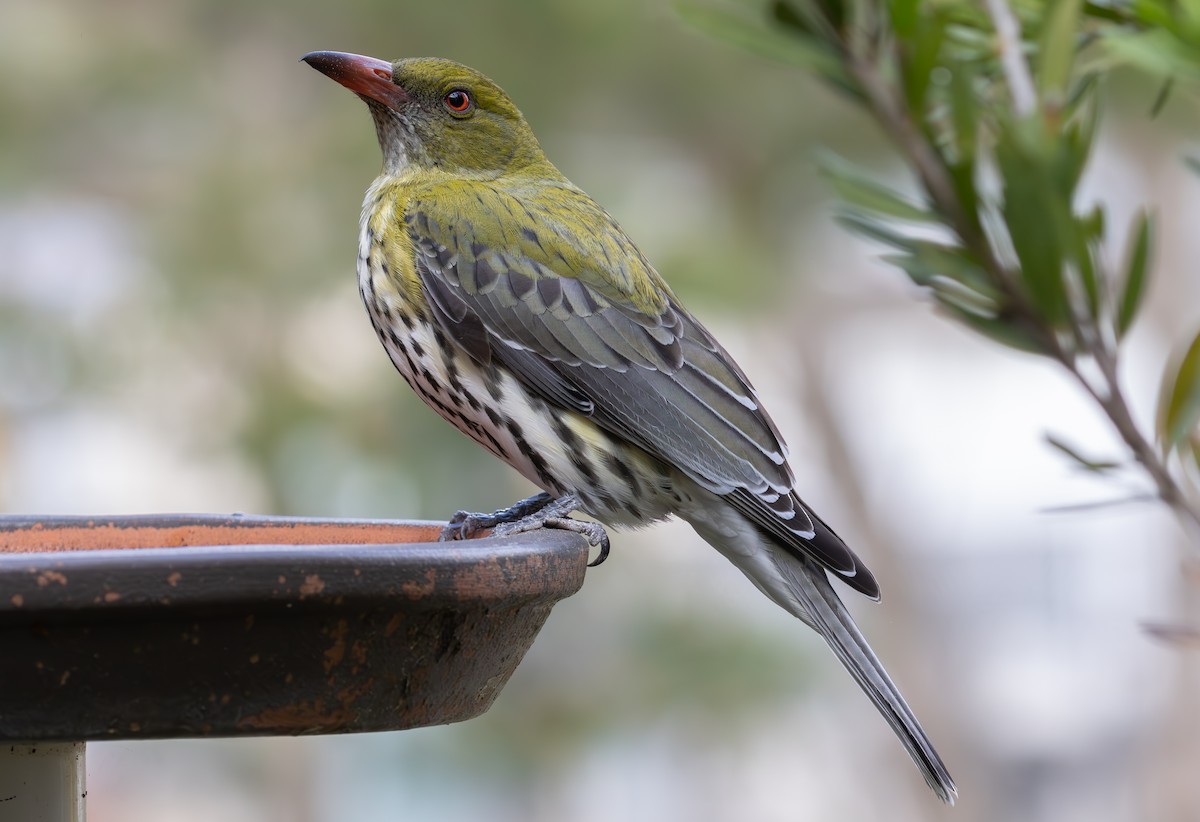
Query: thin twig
[[1111, 399], [1079, 507]]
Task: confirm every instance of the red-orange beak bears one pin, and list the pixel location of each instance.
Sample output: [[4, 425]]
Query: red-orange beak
[[365, 76]]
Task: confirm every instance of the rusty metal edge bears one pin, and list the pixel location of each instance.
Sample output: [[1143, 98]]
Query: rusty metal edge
[[543, 565]]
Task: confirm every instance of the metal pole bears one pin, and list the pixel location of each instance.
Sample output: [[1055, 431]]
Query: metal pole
[[42, 782]]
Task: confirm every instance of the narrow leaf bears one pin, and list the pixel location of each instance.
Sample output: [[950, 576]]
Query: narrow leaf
[[1036, 214], [1189, 14], [905, 16], [1089, 235], [999, 330], [875, 230], [964, 111], [957, 264], [754, 36], [787, 17], [1097, 466], [1154, 50], [1106, 12], [962, 174], [853, 186], [1182, 410], [1079, 136], [925, 46], [966, 299], [1160, 101], [1135, 272], [1057, 51]]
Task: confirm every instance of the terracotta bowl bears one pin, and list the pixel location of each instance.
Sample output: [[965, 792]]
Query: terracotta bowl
[[205, 625]]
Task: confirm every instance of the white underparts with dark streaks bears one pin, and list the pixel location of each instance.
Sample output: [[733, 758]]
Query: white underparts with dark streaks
[[557, 450]]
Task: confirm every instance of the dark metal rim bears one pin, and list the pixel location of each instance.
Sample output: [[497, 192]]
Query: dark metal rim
[[542, 565]]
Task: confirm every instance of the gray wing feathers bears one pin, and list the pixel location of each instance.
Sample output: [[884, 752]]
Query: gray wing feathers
[[656, 379]]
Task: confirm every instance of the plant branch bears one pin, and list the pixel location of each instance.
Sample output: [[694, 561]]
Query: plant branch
[[1111, 399], [893, 116], [888, 106]]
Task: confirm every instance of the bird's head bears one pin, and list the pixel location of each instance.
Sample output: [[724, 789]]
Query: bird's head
[[432, 113]]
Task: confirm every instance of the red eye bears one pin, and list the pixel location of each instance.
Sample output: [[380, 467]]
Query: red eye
[[458, 101]]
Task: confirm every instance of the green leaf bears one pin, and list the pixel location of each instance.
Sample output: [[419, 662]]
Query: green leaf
[[920, 58], [928, 260], [1190, 14], [905, 17], [955, 294], [754, 36], [1037, 215], [854, 187], [804, 17], [1181, 412], [1136, 267], [1097, 466], [964, 112], [1056, 51], [875, 230], [962, 174], [1089, 236], [786, 16], [1160, 100], [1105, 11], [999, 329], [1079, 136], [1156, 51]]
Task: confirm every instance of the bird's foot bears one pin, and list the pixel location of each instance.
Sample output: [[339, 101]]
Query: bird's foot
[[465, 524], [555, 515], [593, 531], [539, 511]]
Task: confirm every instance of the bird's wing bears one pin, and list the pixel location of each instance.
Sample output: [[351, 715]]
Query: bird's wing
[[566, 302]]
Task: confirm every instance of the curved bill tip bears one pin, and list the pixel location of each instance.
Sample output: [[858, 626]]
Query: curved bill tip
[[365, 76]]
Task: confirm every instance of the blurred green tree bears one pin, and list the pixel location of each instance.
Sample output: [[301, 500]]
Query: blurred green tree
[[995, 110]]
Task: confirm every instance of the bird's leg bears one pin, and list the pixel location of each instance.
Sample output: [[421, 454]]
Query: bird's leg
[[540, 510], [464, 524]]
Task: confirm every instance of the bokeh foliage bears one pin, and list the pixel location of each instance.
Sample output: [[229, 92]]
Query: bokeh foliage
[[995, 110]]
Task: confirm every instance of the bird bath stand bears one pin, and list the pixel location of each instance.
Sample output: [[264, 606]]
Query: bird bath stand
[[149, 627]]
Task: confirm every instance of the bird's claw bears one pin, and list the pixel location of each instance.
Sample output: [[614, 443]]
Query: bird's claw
[[540, 510], [464, 525], [592, 531]]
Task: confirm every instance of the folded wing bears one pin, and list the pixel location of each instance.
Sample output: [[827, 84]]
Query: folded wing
[[571, 307]]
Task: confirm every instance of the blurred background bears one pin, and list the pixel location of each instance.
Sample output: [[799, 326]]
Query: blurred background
[[180, 331]]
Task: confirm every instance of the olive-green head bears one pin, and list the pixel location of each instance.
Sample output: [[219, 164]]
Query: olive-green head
[[432, 113]]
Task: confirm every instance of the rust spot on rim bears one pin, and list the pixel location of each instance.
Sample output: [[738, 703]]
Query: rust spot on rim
[[313, 584], [337, 651], [299, 717]]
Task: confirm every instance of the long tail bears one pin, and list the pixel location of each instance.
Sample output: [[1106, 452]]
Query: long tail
[[809, 582], [802, 587]]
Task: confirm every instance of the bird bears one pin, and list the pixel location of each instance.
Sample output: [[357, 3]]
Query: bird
[[519, 310]]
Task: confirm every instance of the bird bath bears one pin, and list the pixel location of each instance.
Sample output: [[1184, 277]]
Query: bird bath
[[147, 627]]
